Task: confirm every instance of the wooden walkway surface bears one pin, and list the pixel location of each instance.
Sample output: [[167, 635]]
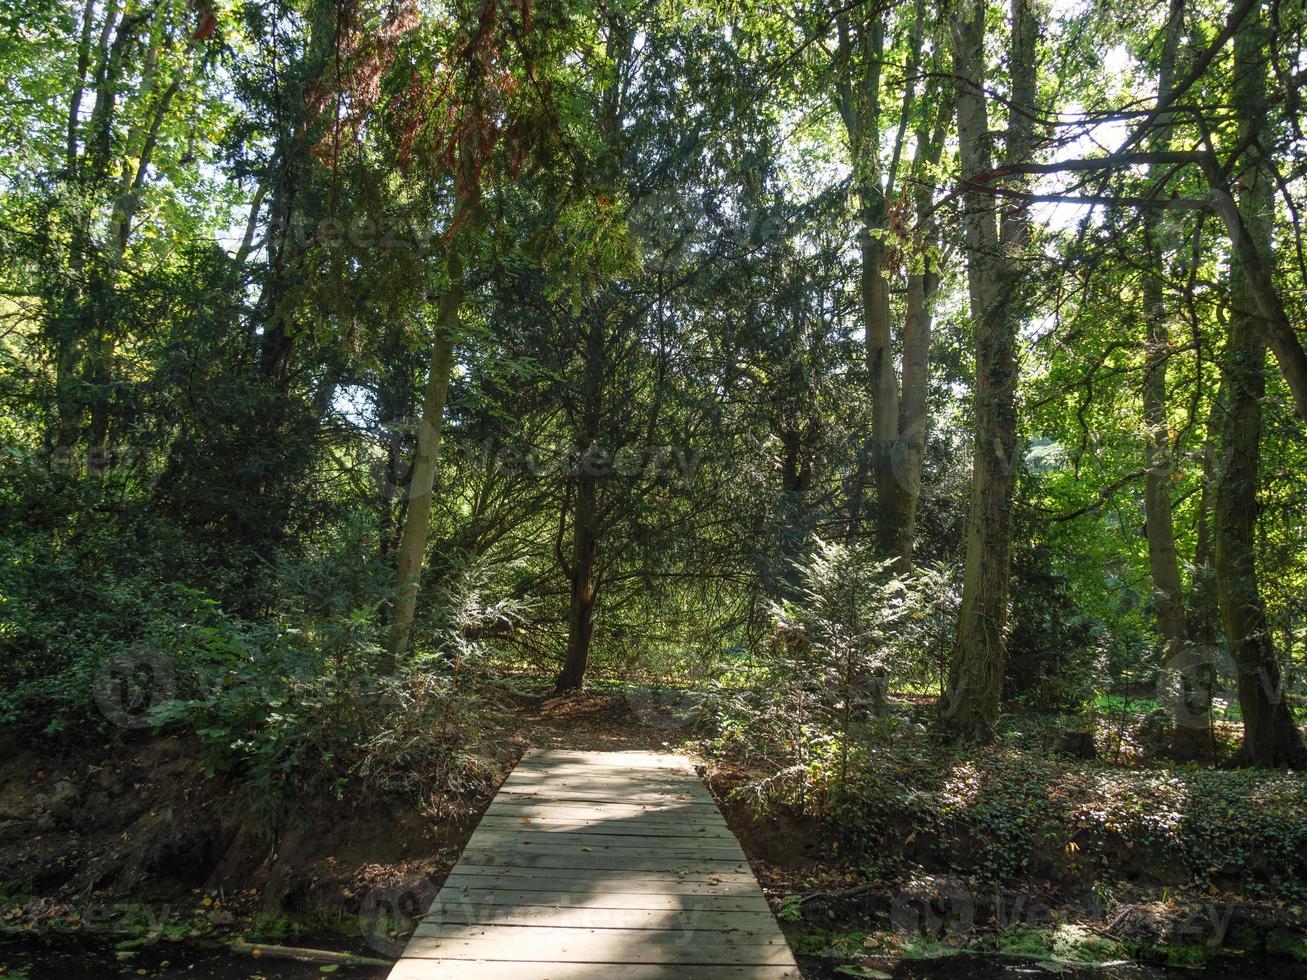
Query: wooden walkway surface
[[599, 864]]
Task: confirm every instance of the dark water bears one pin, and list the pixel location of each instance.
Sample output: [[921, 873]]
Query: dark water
[[67, 957], [1004, 968]]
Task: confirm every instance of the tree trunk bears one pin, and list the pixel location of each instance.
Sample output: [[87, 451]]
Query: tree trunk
[[413, 541], [1256, 262], [1189, 706], [585, 517], [1270, 736], [580, 619], [994, 268], [1204, 603], [890, 501], [858, 57], [913, 419], [393, 412]]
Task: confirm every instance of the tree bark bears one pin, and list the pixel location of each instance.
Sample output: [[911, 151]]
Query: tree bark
[[393, 411], [582, 573], [858, 98], [994, 269], [412, 549], [580, 618], [1189, 702], [884, 386], [1270, 736], [922, 283], [1263, 296], [585, 516], [913, 419], [1199, 670]]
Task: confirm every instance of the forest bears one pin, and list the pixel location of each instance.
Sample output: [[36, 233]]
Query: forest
[[899, 407]]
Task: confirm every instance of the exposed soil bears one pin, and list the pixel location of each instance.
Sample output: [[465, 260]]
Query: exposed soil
[[140, 822], [590, 721]]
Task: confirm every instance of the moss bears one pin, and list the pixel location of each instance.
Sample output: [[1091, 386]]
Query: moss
[[274, 925], [926, 948], [1280, 943], [1079, 943], [1188, 956], [823, 942], [1064, 942], [1024, 942]]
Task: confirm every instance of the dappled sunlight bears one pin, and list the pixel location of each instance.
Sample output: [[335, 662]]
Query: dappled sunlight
[[644, 479], [603, 859]]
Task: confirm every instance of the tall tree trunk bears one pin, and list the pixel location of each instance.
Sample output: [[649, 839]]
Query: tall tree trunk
[[1204, 607], [412, 550], [585, 516], [586, 520], [393, 411], [890, 516], [1270, 737], [580, 618], [922, 283], [859, 55], [1189, 708], [1198, 674], [1257, 264], [994, 269], [913, 418]]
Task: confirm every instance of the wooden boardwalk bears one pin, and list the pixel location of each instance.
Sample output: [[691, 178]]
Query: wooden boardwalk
[[599, 864]]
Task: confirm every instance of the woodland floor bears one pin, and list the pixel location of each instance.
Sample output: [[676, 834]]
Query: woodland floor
[[135, 841]]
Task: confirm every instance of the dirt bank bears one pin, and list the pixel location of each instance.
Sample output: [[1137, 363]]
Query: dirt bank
[[136, 837]]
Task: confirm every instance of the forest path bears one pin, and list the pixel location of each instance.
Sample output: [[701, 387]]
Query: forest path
[[599, 864]]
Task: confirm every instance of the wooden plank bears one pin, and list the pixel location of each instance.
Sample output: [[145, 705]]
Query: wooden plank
[[654, 809], [638, 781], [686, 849], [676, 785], [527, 944], [561, 897], [607, 796], [564, 760], [425, 969], [600, 865], [605, 826], [612, 809], [591, 876], [614, 829], [604, 817], [700, 916], [617, 801], [575, 859], [542, 837], [602, 884], [681, 786]]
